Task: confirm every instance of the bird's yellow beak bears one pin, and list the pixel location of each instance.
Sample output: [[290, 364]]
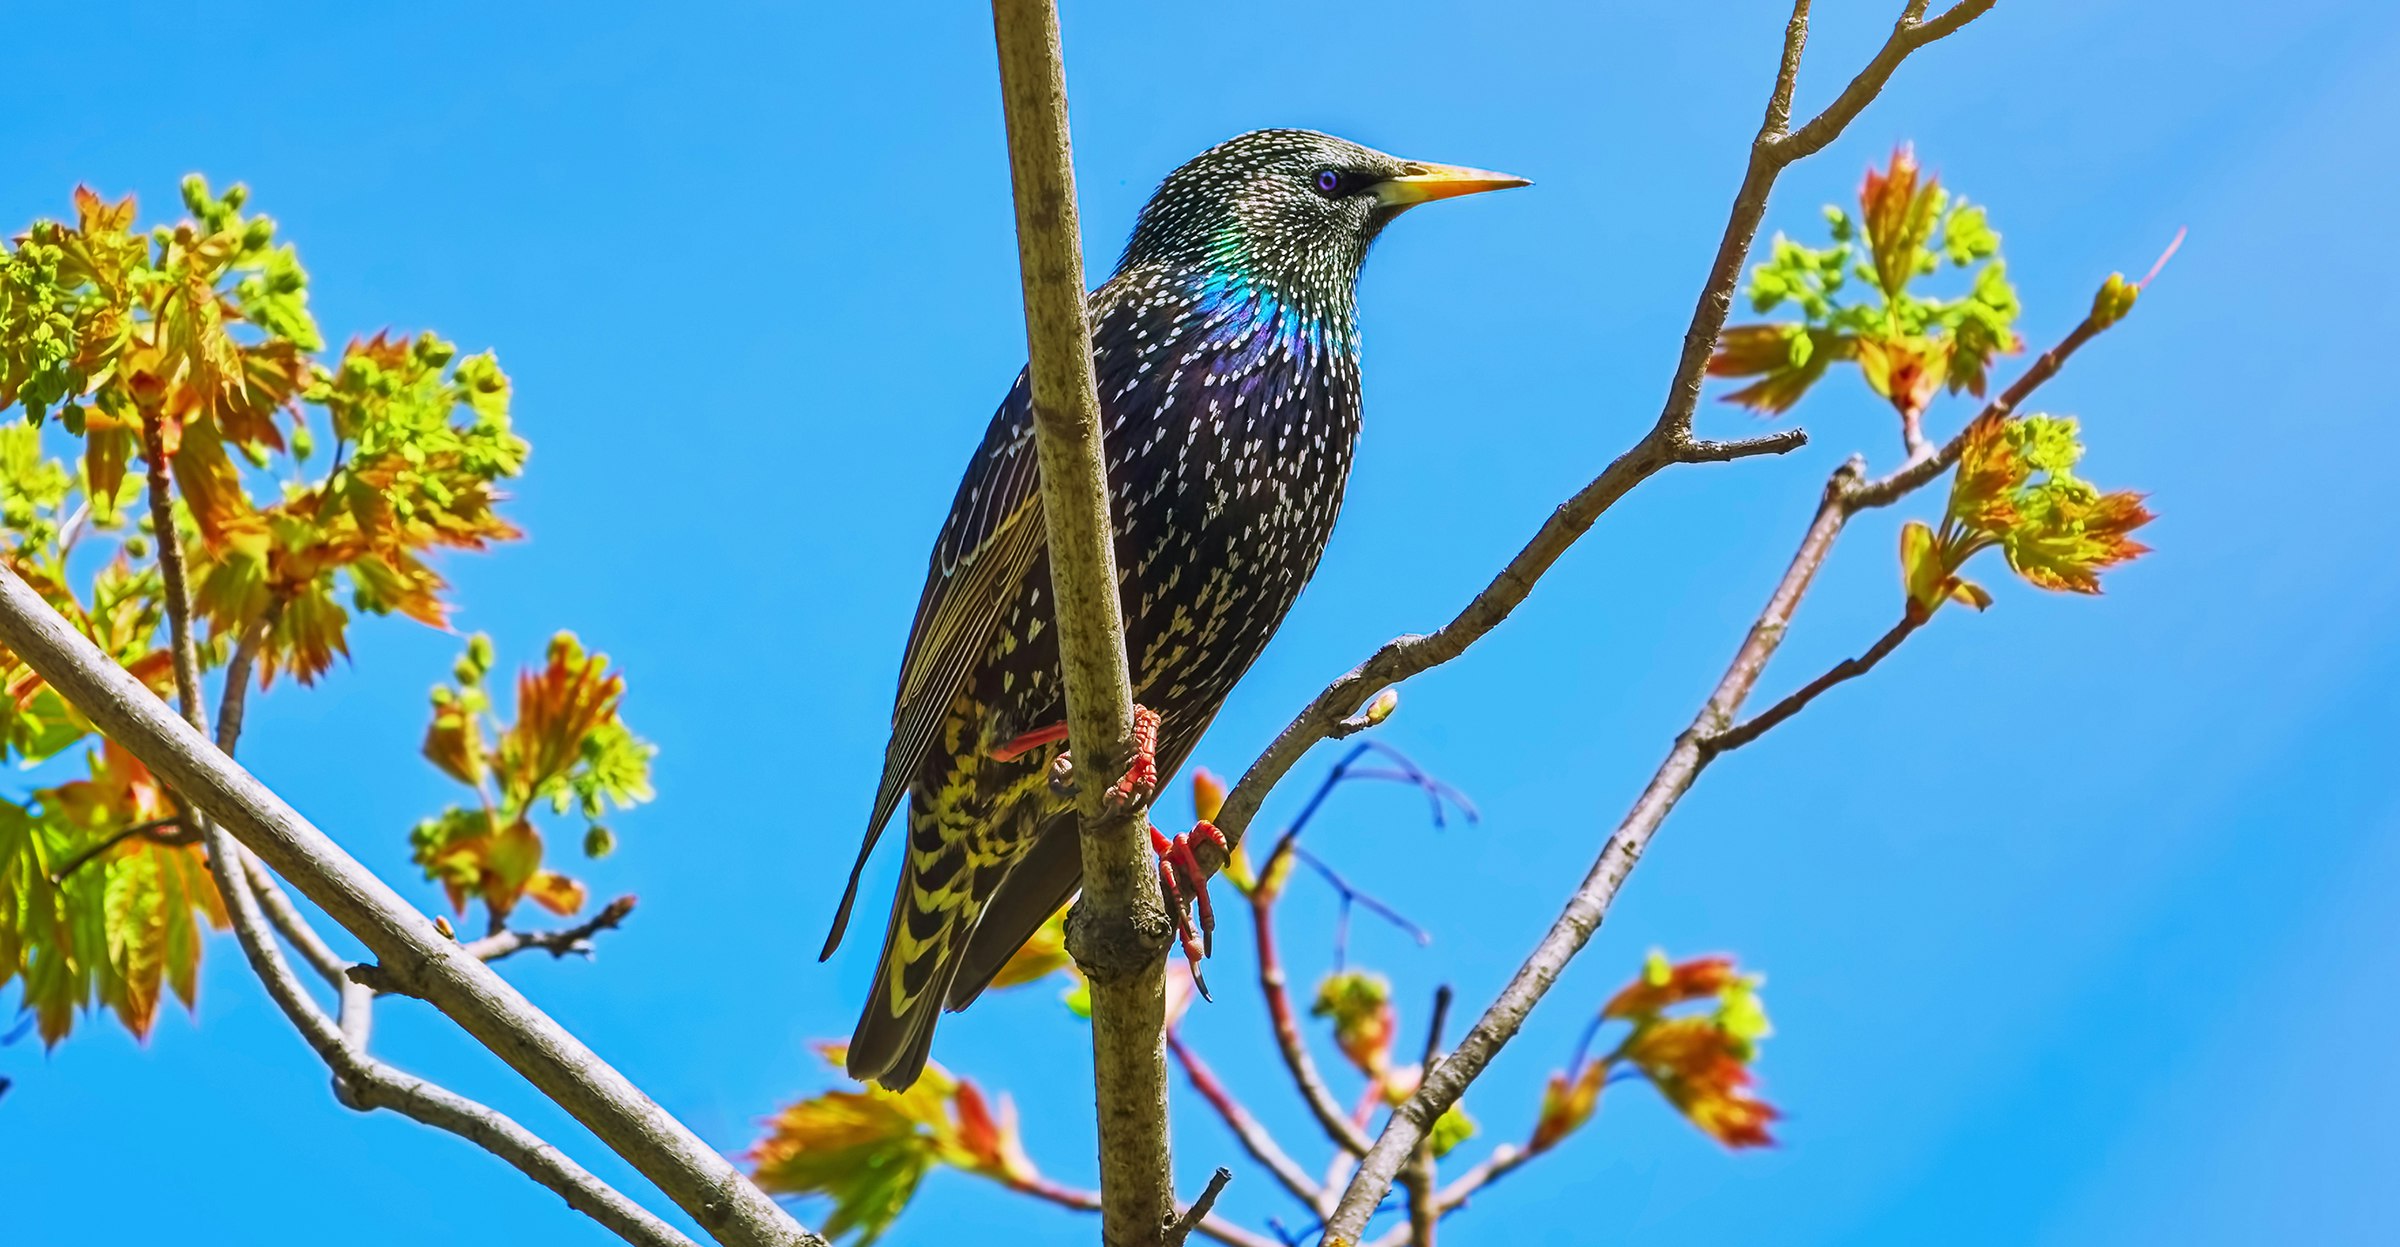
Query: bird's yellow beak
[[1425, 182]]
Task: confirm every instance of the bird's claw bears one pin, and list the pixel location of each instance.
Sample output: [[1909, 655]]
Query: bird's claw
[[1183, 882], [1141, 771]]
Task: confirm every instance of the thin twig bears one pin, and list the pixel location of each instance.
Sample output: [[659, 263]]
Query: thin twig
[[575, 940], [1420, 1175], [1191, 1217], [1503, 1161], [1848, 669], [1285, 1023], [1247, 1130], [112, 840], [1408, 1124], [1350, 894], [1910, 476], [1080, 1200]]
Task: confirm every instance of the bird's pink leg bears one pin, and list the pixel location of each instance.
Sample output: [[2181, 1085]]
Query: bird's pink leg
[[1029, 742], [1183, 881]]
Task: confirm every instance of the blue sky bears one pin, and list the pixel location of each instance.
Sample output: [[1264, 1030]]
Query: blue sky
[[2075, 916]]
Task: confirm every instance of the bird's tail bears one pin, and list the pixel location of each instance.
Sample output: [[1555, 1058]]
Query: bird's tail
[[933, 912]]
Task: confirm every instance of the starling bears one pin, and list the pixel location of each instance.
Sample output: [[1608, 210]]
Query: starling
[[1226, 352]]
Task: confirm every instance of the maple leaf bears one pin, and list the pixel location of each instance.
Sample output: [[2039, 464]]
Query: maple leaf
[[2015, 488], [1664, 984], [567, 748], [90, 916], [1787, 359], [1897, 212], [868, 1150], [1699, 1066], [1567, 1103]]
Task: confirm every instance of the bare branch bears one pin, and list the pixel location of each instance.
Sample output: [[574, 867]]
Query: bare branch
[[1909, 34], [1442, 1084], [1119, 928], [150, 829], [696, 1176], [1848, 669], [1079, 1200], [1288, 1041], [1192, 1217], [576, 939], [1420, 1175], [359, 1081], [1253, 1136]]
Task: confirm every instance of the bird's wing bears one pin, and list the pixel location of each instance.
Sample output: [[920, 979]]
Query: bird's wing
[[987, 546]]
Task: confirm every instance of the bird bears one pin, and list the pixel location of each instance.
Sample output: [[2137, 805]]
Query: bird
[[1225, 347]]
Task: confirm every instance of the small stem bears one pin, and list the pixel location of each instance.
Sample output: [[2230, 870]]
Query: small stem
[[576, 939], [1254, 1137], [1198, 1211], [1847, 669], [1288, 1041], [92, 854]]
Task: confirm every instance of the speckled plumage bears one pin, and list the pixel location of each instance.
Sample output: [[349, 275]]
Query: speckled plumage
[[1226, 357]]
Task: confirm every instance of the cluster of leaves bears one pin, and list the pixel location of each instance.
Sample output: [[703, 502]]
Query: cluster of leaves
[[868, 1150], [83, 931], [196, 338], [1907, 346], [1358, 1004], [1698, 1060], [568, 749], [2016, 489]]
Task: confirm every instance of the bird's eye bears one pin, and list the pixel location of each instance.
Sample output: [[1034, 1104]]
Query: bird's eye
[[1329, 183]]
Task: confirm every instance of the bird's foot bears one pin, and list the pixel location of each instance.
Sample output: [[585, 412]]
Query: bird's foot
[[1141, 771], [1183, 876], [1138, 786]]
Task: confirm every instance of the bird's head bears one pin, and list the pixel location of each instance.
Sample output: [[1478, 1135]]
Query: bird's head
[[1293, 208]]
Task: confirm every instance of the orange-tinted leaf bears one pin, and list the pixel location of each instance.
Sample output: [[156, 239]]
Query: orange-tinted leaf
[[1566, 1105], [1664, 984], [454, 741], [988, 1142], [1907, 372], [865, 1150], [557, 708], [1898, 212], [555, 892], [1700, 1068]]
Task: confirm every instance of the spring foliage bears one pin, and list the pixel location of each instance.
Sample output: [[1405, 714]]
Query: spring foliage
[[308, 487]]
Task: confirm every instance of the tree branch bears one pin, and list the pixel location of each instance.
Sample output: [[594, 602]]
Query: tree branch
[[1848, 669], [360, 1081], [1288, 1041], [704, 1183], [1119, 929], [1078, 1200], [1192, 1217], [1419, 1176], [1442, 1084], [576, 939], [1914, 474], [112, 840], [1254, 1137]]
